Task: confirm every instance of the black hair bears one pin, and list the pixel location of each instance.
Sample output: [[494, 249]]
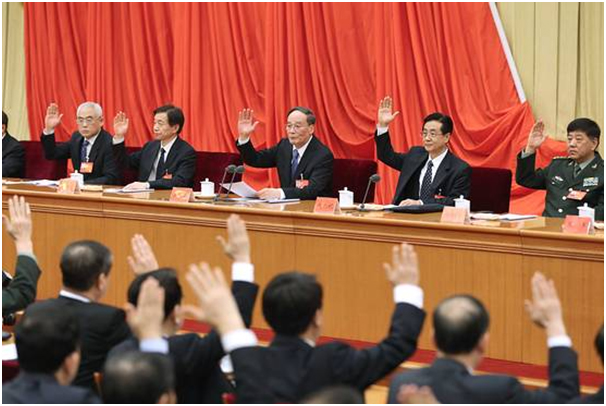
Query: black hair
[[175, 115], [45, 336], [447, 125], [459, 323], [82, 262], [290, 302], [4, 119], [168, 280], [585, 125], [311, 117]]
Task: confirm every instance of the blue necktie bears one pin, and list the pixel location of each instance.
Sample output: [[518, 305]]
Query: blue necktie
[[425, 194], [83, 151], [294, 163]]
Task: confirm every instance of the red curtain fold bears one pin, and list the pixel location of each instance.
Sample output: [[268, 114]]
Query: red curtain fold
[[339, 59]]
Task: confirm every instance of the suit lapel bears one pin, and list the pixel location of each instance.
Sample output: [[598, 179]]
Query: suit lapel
[[443, 170], [149, 164], [408, 170], [77, 146], [284, 163], [172, 154], [95, 148], [306, 159]]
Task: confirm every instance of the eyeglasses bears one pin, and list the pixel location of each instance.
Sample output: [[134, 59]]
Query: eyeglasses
[[431, 134], [297, 127], [87, 120]]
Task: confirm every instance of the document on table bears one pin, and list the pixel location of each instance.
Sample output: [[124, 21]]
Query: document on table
[[241, 189], [127, 191]]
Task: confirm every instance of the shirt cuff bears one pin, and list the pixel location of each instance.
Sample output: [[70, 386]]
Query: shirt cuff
[[382, 130], [45, 133], [116, 140], [226, 365], [159, 345], [410, 294], [525, 154], [238, 339], [243, 272], [28, 254], [243, 142], [559, 341], [282, 194]]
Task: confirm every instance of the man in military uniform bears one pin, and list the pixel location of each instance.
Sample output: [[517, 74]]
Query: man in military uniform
[[570, 181]]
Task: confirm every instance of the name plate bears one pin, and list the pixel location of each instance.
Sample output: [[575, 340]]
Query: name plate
[[327, 205], [68, 186], [455, 215], [182, 195], [576, 225]]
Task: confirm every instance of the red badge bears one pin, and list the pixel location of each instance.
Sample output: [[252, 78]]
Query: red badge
[[576, 195], [167, 176], [301, 183], [86, 167]]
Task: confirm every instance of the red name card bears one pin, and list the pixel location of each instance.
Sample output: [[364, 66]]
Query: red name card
[[327, 205], [182, 194], [576, 225], [68, 186], [456, 215]]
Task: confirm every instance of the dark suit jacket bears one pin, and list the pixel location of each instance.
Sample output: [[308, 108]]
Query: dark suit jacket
[[180, 163], [22, 289], [37, 388], [452, 180], [13, 158], [196, 359], [316, 166], [105, 170], [451, 382], [101, 328], [290, 369], [597, 398]]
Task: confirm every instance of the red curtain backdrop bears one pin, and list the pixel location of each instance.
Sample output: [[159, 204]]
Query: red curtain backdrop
[[340, 59]]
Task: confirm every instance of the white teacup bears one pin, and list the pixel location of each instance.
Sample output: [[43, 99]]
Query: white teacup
[[207, 188]]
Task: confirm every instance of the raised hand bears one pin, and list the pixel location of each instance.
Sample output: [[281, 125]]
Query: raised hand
[[19, 223], [217, 305], [237, 246], [246, 126], [120, 125], [545, 309], [145, 320], [404, 267], [53, 118], [385, 114], [143, 259], [536, 137]]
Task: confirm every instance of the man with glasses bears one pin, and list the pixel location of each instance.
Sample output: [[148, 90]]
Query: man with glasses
[[304, 164], [428, 174], [89, 148]]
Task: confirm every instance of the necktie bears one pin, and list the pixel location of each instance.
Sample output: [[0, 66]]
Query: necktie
[[83, 151], [161, 169], [576, 170], [425, 194], [294, 163]]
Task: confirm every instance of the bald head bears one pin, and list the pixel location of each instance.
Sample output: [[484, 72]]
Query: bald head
[[459, 323]]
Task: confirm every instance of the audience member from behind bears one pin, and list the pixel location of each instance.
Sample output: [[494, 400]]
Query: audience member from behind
[[85, 267], [22, 289], [598, 397], [47, 340], [13, 153], [461, 336], [294, 366]]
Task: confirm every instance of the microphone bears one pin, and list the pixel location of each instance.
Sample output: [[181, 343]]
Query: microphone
[[228, 169], [237, 170], [373, 179]]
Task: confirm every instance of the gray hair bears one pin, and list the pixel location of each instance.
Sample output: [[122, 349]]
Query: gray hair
[[95, 106]]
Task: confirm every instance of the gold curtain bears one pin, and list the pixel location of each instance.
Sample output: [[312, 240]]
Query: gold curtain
[[559, 52], [13, 70]]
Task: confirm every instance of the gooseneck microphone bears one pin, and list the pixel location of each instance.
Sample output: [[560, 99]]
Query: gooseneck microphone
[[228, 169], [237, 170], [373, 179]]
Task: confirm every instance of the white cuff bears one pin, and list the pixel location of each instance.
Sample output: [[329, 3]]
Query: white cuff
[[243, 272], [226, 365], [45, 133], [410, 294], [154, 345], [382, 130], [559, 341], [238, 339], [243, 142], [116, 140], [526, 154], [282, 194]]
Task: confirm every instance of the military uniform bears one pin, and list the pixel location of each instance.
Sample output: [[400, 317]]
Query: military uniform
[[559, 181]]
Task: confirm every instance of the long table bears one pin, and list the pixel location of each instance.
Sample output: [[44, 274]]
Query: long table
[[346, 251]]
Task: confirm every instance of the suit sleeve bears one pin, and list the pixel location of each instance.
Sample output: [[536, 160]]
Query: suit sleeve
[[13, 166], [599, 208], [110, 175], [52, 150], [362, 368], [266, 158], [386, 154], [461, 187], [563, 380], [245, 294], [319, 181], [22, 289], [527, 176], [124, 160], [251, 385], [120, 330], [183, 175]]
